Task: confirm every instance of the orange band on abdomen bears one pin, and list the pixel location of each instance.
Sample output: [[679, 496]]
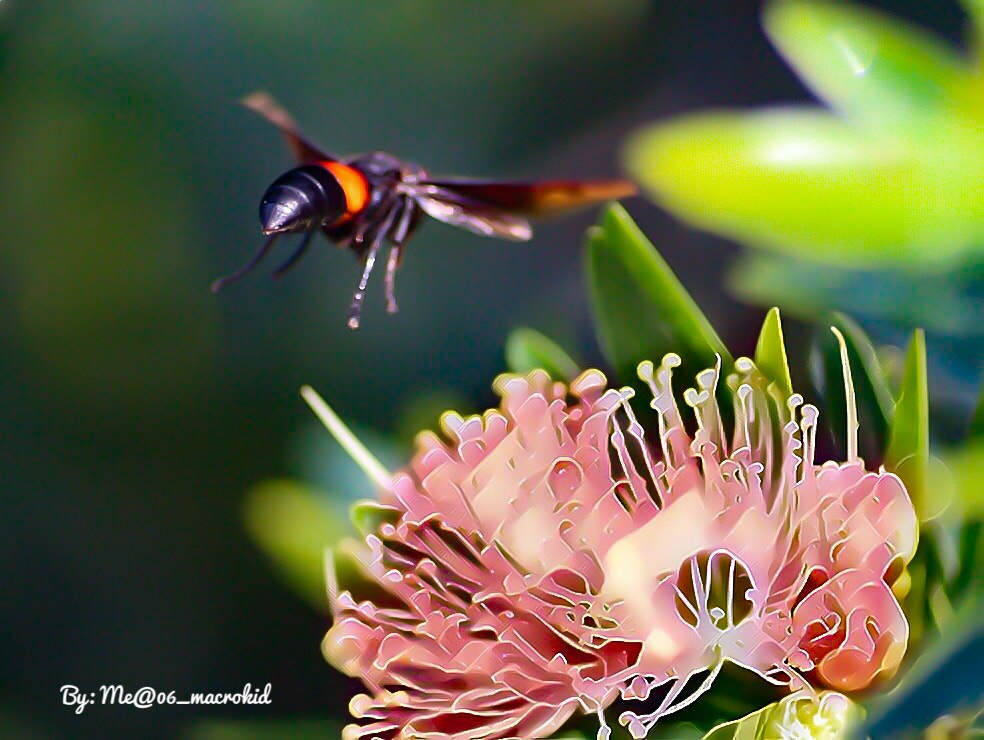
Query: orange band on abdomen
[[354, 185]]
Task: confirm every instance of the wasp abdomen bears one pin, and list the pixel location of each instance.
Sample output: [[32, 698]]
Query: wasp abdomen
[[301, 200]]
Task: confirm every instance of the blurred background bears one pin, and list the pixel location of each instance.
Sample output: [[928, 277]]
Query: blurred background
[[138, 408]]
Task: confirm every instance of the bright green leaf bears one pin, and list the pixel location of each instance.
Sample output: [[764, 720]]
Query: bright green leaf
[[641, 310], [908, 438], [876, 70], [770, 353], [795, 716], [289, 524], [528, 349], [874, 400], [804, 182]]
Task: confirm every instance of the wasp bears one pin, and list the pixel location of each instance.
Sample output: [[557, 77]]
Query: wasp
[[362, 202]]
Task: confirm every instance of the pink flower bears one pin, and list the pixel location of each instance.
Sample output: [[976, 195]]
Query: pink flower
[[555, 555]]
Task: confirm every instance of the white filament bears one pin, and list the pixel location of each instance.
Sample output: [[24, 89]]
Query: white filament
[[370, 465]]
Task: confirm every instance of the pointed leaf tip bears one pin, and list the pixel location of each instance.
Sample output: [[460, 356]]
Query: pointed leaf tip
[[641, 309], [528, 349], [770, 353], [908, 441]]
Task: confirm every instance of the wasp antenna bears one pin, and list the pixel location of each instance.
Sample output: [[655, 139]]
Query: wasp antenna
[[292, 260], [245, 269], [373, 469]]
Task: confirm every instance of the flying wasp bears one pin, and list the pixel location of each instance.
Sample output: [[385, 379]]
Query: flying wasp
[[359, 203]]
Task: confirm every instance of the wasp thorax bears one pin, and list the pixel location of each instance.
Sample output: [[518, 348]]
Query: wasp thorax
[[300, 200]]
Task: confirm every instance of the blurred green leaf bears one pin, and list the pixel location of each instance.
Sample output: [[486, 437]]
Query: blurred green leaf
[[15, 726], [293, 528], [876, 70], [946, 303], [967, 724], [794, 716], [908, 439], [975, 8], [946, 676], [264, 729], [968, 582], [933, 590], [976, 429], [770, 353], [805, 182], [874, 400], [528, 349], [963, 472], [641, 310]]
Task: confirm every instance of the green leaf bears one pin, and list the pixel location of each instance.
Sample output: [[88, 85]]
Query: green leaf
[[946, 302], [876, 70], [908, 438], [962, 470], [770, 353], [367, 515], [874, 400], [803, 182], [641, 310], [528, 349], [795, 716], [976, 428], [289, 524], [975, 9]]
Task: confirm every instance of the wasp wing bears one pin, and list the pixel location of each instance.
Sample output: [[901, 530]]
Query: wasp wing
[[302, 149], [535, 198], [467, 213]]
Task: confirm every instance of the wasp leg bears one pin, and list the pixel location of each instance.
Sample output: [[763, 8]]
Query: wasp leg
[[292, 260], [370, 260], [391, 265], [253, 262], [400, 234]]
